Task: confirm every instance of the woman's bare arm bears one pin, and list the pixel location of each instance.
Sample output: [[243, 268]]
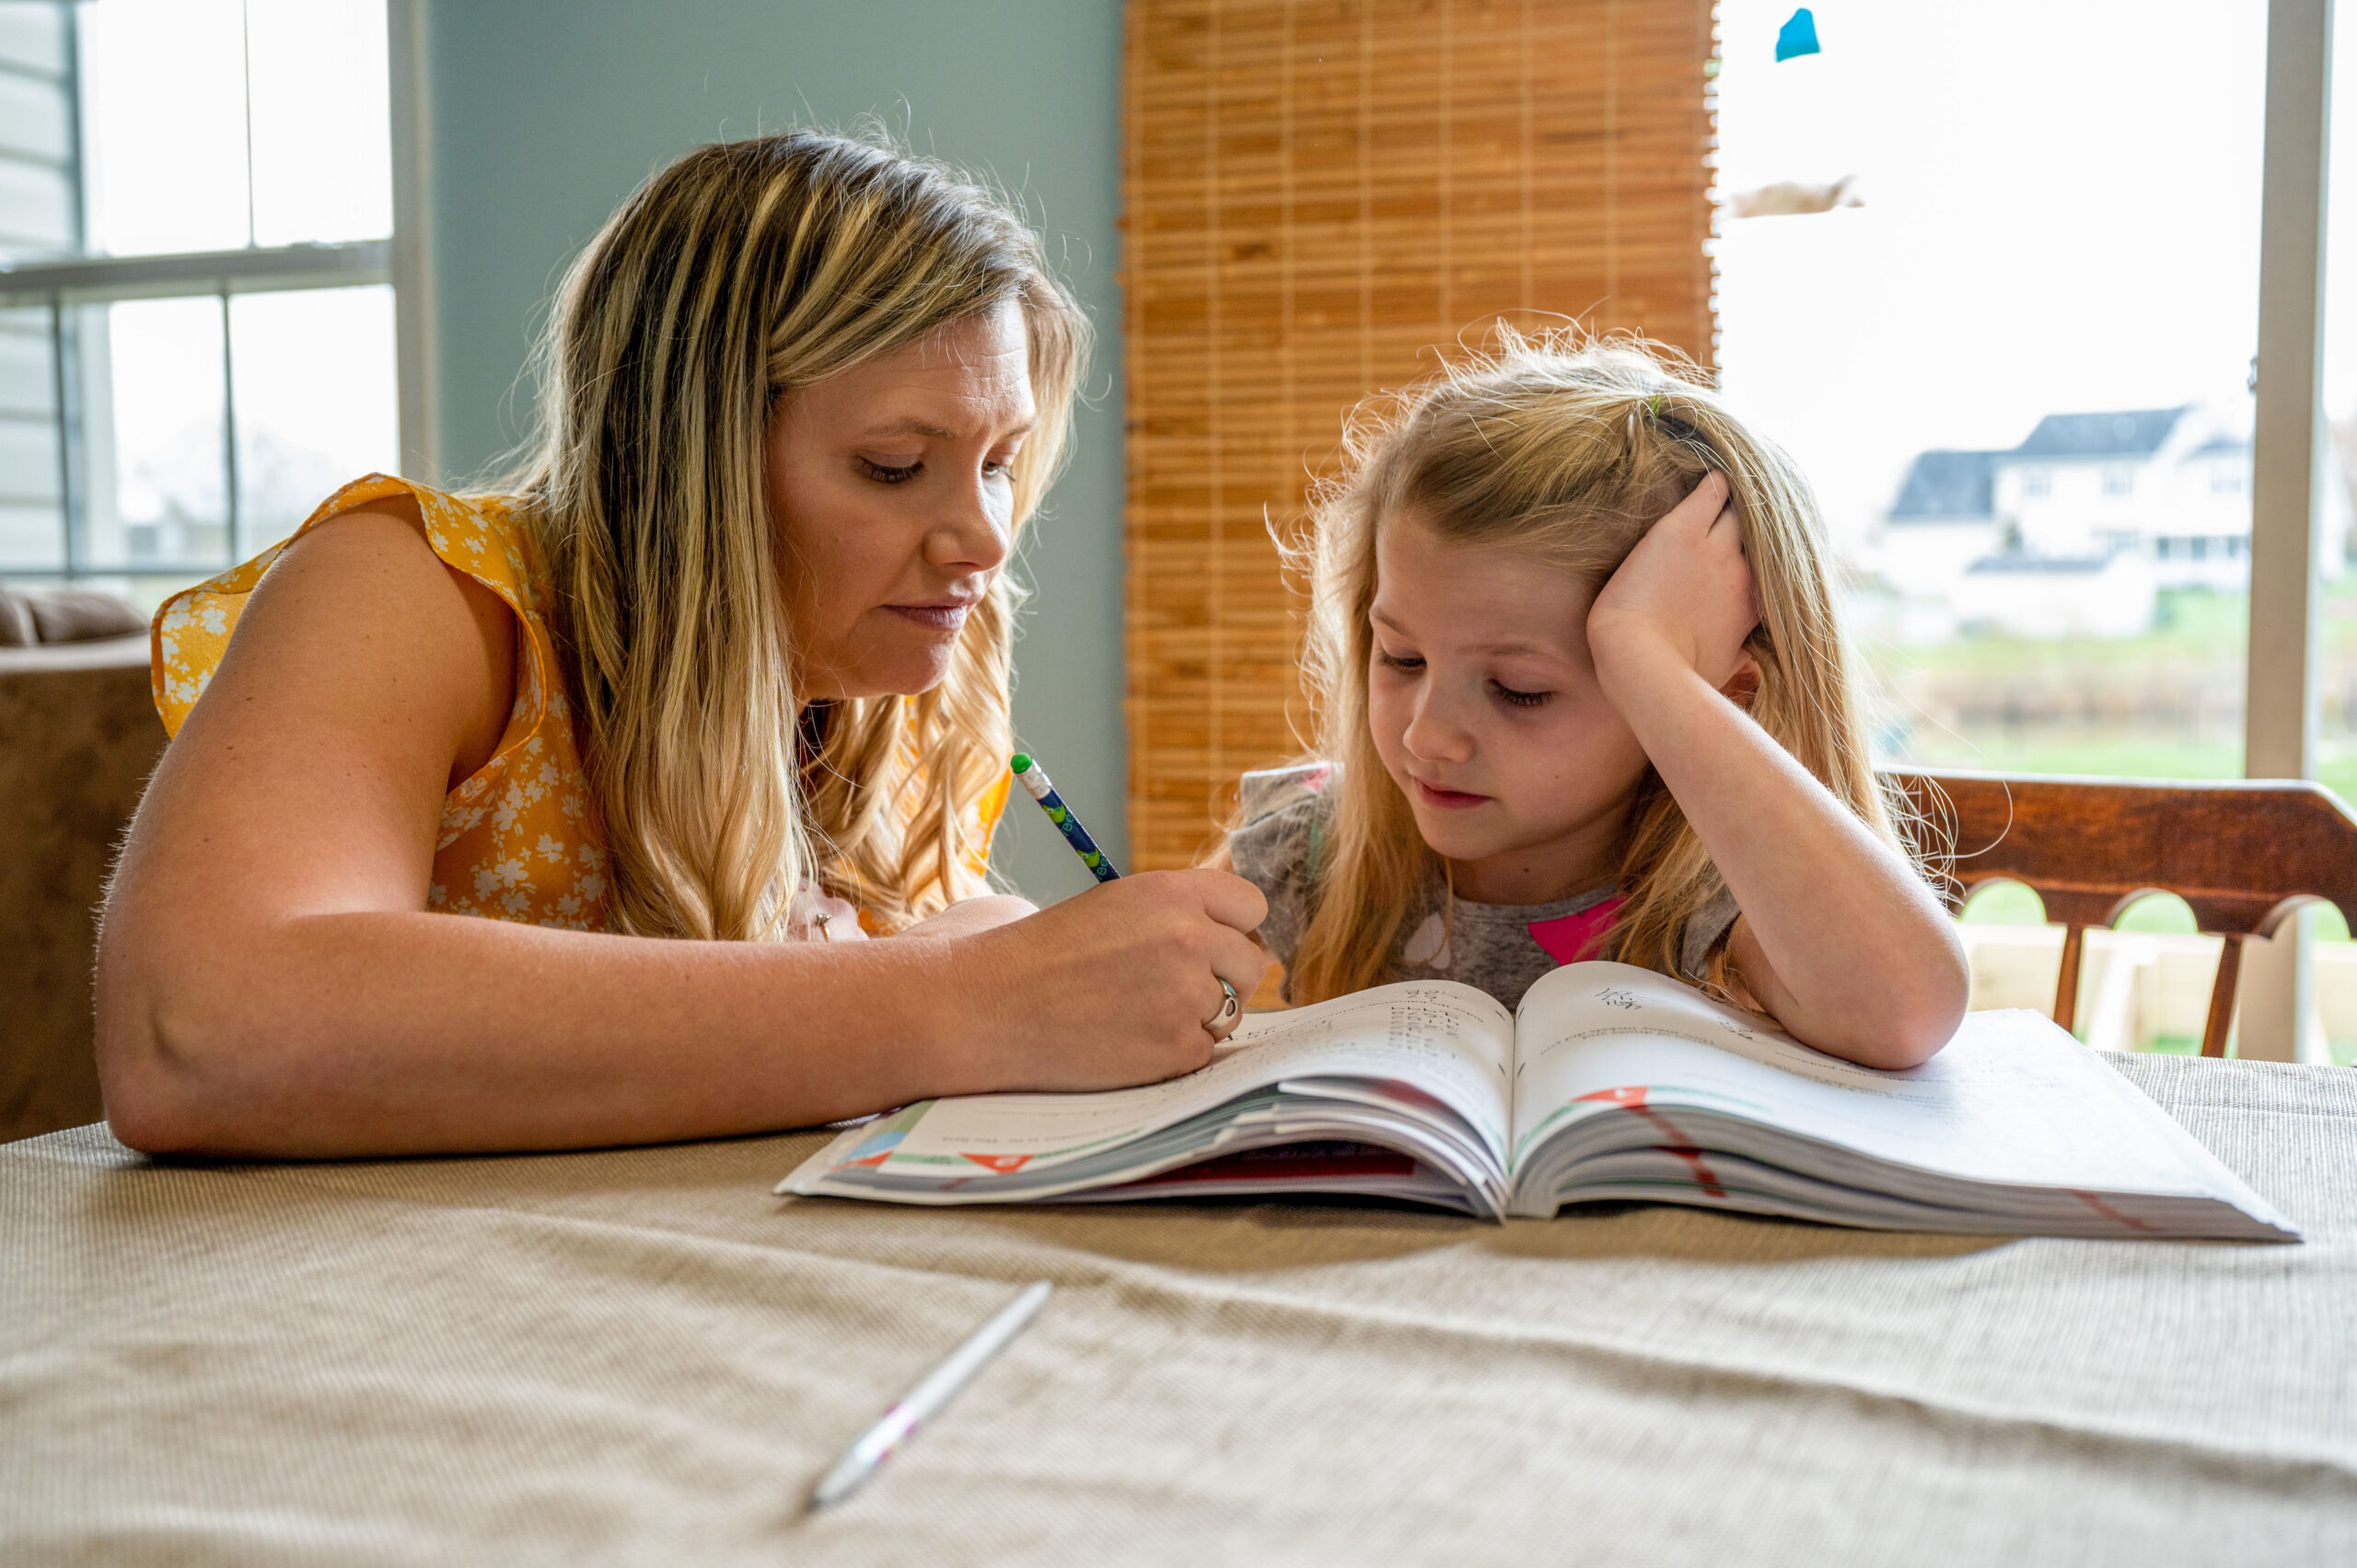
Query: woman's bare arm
[[270, 982]]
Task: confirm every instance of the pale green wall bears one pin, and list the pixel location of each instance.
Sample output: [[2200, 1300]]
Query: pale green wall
[[545, 113]]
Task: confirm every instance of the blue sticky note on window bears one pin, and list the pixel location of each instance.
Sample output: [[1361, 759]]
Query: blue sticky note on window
[[1797, 36]]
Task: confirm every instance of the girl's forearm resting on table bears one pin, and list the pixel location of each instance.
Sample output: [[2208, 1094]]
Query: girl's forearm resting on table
[[398, 1032], [1841, 938]]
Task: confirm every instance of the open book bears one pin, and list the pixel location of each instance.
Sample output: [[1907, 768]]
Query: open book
[[1611, 1083]]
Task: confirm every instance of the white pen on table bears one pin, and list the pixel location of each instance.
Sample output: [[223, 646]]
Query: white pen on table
[[927, 1400]]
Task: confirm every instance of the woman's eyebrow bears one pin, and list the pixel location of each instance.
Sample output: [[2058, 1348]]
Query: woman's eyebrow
[[909, 425]]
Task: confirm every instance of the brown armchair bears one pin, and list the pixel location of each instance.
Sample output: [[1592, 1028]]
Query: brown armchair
[[78, 736]]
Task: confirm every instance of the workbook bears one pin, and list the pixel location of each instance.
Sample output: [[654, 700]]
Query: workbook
[[1610, 1084]]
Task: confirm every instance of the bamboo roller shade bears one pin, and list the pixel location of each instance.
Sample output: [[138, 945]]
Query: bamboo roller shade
[[1317, 194]]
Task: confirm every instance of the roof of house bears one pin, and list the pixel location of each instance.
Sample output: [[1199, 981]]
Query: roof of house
[[2130, 432], [1947, 486], [2014, 562], [1951, 486]]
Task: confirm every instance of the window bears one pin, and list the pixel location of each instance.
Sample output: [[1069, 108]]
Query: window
[[1967, 324], [197, 314], [1961, 240]]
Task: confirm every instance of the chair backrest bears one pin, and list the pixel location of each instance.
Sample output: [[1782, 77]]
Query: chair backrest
[[2243, 855]]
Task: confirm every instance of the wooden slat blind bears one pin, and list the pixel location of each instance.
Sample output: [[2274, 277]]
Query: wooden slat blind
[[1317, 194]]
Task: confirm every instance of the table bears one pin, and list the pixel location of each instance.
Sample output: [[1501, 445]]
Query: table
[[641, 1356]]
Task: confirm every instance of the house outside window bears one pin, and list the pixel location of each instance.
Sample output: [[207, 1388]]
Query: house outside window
[[2047, 528], [2049, 435], [196, 312]]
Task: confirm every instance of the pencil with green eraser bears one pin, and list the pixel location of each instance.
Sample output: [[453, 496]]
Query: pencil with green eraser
[[1035, 780]]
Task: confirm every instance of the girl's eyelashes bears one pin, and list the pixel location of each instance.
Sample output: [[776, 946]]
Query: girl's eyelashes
[[1519, 699], [888, 473], [1411, 663]]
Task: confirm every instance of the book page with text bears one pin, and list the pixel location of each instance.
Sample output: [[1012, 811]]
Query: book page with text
[[1448, 1040], [2012, 1098]]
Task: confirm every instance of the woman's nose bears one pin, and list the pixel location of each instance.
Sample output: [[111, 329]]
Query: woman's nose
[[973, 534]]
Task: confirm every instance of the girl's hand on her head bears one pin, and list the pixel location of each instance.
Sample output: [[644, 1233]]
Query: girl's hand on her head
[[1685, 593], [1111, 987]]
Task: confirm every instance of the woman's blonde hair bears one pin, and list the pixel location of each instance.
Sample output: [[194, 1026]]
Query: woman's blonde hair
[[1567, 449], [738, 274]]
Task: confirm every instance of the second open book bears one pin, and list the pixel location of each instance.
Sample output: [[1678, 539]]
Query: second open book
[[1611, 1083]]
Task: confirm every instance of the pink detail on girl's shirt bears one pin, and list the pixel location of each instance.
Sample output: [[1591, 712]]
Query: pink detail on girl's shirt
[[1571, 937]]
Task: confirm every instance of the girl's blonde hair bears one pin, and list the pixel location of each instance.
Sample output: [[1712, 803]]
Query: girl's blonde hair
[[1566, 449], [737, 275]]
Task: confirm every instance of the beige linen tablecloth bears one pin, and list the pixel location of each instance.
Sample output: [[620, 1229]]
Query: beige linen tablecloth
[[643, 1357]]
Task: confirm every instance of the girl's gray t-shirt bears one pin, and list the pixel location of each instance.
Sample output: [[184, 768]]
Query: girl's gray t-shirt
[[1490, 946]]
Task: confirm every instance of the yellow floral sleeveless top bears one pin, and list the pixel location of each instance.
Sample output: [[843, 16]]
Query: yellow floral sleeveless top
[[520, 838]]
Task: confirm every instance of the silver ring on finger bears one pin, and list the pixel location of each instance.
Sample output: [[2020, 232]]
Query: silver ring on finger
[[1223, 1023]]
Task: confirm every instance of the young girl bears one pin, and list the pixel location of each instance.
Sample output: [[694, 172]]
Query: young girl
[[1583, 694]]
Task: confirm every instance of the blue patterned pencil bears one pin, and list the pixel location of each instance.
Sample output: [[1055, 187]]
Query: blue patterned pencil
[[1035, 778]]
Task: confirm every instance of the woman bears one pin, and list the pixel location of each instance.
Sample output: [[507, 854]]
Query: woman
[[720, 688]]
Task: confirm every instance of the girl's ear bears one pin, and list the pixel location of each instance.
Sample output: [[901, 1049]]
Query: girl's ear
[[1743, 686]]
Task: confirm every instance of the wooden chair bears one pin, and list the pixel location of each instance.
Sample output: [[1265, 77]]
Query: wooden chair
[[2244, 856]]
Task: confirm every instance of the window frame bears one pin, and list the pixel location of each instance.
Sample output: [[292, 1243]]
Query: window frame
[[2290, 461], [2290, 464], [397, 260]]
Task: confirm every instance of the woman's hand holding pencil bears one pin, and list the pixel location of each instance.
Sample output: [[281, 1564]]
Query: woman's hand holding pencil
[[1116, 985], [1035, 778], [1122, 984]]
